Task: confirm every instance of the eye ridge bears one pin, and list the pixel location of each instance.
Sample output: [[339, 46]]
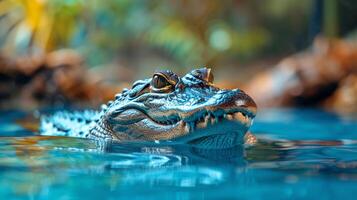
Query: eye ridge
[[204, 74]]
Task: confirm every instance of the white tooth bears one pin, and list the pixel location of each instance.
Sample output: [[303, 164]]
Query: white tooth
[[212, 120], [229, 116], [240, 117], [206, 120], [201, 124], [187, 128]]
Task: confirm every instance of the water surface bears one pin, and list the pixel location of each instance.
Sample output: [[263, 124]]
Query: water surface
[[300, 154]]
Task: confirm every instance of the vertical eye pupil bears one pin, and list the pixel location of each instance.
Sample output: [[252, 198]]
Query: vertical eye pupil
[[159, 81]]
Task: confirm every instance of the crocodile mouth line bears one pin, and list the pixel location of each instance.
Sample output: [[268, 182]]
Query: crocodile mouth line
[[203, 120], [198, 120]]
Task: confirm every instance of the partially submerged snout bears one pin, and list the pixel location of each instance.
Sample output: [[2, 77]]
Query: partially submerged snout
[[188, 109], [221, 122], [231, 105], [165, 108]]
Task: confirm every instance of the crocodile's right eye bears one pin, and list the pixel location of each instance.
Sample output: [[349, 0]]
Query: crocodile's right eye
[[159, 81], [204, 74], [163, 82]]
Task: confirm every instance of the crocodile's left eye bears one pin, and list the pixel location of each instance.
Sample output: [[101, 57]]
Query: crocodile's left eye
[[163, 82], [159, 81]]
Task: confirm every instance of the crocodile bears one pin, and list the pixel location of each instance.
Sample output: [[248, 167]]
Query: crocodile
[[164, 108]]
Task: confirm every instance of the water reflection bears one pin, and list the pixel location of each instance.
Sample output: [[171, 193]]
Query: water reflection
[[40, 167]]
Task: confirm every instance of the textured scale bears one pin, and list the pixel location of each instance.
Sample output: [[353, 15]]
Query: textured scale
[[72, 124], [166, 107]]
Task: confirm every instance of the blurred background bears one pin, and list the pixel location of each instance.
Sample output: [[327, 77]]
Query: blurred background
[[282, 52]]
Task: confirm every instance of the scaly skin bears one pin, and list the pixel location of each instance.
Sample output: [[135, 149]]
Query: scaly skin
[[165, 108]]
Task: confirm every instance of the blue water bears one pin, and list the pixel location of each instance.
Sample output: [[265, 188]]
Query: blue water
[[301, 154]]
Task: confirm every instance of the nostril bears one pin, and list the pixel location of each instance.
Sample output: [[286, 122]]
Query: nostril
[[244, 100], [240, 102]]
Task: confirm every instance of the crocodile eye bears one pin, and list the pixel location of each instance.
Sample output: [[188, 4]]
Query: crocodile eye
[[203, 74], [159, 81], [163, 82]]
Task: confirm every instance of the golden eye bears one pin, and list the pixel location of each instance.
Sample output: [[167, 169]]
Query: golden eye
[[158, 81]]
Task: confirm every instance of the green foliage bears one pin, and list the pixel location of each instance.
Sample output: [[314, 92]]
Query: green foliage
[[187, 32]]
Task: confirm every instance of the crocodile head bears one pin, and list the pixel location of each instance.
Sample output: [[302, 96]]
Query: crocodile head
[[188, 109]]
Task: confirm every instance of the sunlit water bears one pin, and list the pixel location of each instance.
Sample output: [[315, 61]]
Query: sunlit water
[[300, 154]]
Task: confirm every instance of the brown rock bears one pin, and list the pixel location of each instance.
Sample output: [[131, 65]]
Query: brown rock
[[307, 78], [44, 79]]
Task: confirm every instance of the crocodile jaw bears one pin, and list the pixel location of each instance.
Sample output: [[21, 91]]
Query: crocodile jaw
[[188, 109], [225, 120]]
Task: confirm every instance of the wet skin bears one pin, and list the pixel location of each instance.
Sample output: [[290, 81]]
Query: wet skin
[[165, 108]]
